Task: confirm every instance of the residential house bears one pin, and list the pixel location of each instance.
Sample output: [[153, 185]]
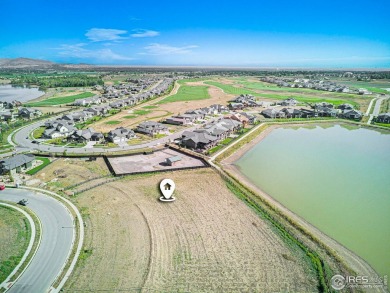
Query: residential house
[[29, 113], [93, 111], [306, 113], [86, 135], [198, 140], [326, 111], [252, 119], [324, 104], [243, 119], [8, 116], [152, 128], [88, 101], [291, 113], [181, 119], [16, 164], [236, 106], [219, 108], [221, 128], [199, 114], [117, 104], [81, 116], [291, 102], [383, 118], [273, 113], [68, 117], [58, 128], [351, 114], [345, 107], [246, 100], [120, 134]]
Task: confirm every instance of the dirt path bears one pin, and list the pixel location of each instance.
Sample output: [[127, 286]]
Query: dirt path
[[205, 241]]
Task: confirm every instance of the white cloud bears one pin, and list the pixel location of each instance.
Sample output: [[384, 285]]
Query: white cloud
[[104, 34], [102, 55], [163, 49], [142, 33]]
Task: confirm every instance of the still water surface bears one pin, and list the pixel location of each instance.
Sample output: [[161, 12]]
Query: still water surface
[[337, 177], [9, 93]]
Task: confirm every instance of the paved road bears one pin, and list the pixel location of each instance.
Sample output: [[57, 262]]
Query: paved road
[[24, 142], [56, 243], [377, 109], [369, 106]]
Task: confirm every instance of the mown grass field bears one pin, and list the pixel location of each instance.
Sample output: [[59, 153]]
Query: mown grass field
[[14, 239], [112, 122], [141, 112], [188, 93], [255, 88], [60, 100], [150, 107]]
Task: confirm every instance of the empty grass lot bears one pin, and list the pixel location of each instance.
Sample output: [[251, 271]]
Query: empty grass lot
[[14, 239], [150, 107], [208, 240], [141, 112], [130, 116], [112, 122], [188, 93], [230, 89], [60, 100]]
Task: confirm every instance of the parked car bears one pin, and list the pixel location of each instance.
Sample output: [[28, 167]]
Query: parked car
[[2, 187], [23, 202]]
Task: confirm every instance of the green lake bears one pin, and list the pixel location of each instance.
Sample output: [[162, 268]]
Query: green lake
[[337, 177]]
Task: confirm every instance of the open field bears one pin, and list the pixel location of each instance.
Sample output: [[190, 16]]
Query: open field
[[261, 90], [14, 239], [203, 242], [188, 92], [217, 96], [129, 118], [385, 106], [54, 101], [51, 109], [151, 162], [62, 173]]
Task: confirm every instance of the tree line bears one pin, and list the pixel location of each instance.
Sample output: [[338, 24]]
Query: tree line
[[77, 80]]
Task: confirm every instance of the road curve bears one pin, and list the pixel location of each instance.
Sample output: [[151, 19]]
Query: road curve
[[30, 244], [377, 108], [56, 242]]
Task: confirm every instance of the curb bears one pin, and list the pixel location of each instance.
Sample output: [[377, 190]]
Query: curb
[[29, 248], [81, 236]]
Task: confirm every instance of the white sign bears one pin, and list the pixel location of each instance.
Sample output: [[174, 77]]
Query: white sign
[[167, 187]]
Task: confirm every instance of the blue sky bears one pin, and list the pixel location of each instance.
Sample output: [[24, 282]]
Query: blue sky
[[327, 34]]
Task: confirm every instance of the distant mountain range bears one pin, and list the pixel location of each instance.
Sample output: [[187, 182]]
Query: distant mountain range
[[24, 62]]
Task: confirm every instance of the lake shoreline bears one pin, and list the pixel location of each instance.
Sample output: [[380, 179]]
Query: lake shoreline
[[351, 259], [23, 94]]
